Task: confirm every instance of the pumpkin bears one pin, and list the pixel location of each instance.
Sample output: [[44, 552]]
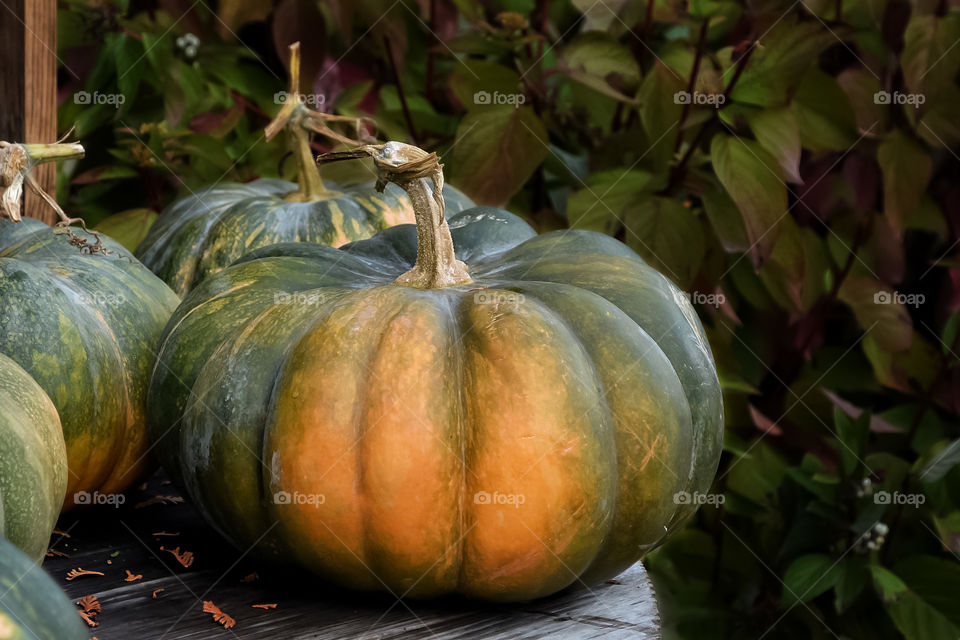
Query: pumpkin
[[85, 327], [467, 408], [202, 233], [33, 461], [32, 606]]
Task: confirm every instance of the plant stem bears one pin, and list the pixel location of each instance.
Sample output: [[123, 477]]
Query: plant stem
[[400, 93], [691, 85], [406, 165]]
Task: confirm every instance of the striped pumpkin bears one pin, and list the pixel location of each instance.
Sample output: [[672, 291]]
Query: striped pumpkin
[[390, 417], [202, 233], [33, 461], [85, 327], [32, 606]]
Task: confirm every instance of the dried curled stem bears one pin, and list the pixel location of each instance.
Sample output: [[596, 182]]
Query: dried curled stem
[[16, 164]]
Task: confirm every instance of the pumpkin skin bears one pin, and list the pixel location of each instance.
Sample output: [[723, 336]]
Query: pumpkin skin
[[33, 461], [86, 328], [303, 369], [201, 234], [33, 607]]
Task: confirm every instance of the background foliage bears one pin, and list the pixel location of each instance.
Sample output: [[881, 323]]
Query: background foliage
[[792, 165]]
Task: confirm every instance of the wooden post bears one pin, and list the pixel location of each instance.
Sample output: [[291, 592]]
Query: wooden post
[[28, 86]]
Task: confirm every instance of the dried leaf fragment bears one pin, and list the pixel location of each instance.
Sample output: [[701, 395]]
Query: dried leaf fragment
[[272, 605], [218, 615], [185, 558], [156, 592], [79, 571], [131, 577]]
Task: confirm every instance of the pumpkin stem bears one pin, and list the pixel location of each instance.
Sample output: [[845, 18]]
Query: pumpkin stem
[[300, 122], [405, 165], [16, 161]]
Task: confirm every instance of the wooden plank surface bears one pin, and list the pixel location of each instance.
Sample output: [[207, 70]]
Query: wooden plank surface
[[113, 539], [28, 86]]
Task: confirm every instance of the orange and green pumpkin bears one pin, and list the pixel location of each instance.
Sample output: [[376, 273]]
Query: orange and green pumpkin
[[202, 233], [85, 328], [391, 417], [32, 606], [33, 461]]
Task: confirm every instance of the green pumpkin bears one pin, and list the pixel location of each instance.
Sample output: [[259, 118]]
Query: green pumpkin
[[201, 234], [85, 327], [204, 232], [33, 461], [390, 417], [32, 606]]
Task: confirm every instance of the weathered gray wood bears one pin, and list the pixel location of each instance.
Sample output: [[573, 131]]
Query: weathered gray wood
[[624, 608]]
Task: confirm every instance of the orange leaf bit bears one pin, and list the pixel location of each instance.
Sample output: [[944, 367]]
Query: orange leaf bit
[[272, 605], [156, 592], [54, 553], [62, 534], [166, 533], [79, 571], [253, 577], [218, 616], [90, 609], [131, 577], [185, 558]]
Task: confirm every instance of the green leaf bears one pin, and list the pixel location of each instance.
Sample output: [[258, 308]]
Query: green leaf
[[129, 228], [807, 577], [942, 459], [778, 62], [777, 132], [824, 115], [129, 56], [878, 312], [948, 527], [668, 235], [751, 177], [853, 434], [906, 169], [498, 148], [604, 202], [853, 578], [861, 88], [935, 580], [600, 62], [794, 272], [660, 113], [471, 77], [915, 618], [726, 221], [930, 60]]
